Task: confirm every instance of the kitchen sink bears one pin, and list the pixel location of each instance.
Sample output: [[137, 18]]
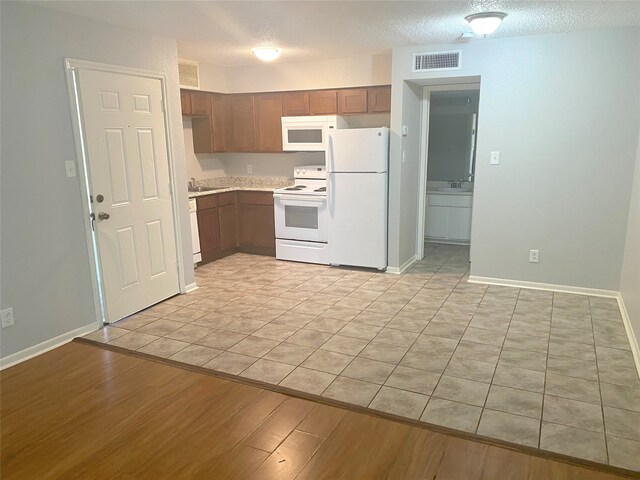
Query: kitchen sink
[[203, 189]]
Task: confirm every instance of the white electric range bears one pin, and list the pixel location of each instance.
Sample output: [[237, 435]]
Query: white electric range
[[301, 217]]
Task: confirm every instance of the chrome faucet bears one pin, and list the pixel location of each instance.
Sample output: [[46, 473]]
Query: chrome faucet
[[192, 182], [456, 183]]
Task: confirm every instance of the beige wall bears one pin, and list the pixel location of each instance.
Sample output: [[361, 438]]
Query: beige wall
[[341, 72], [566, 165], [630, 276], [46, 274], [212, 78]]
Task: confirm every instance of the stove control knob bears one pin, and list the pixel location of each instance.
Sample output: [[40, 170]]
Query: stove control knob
[[304, 170], [297, 171]]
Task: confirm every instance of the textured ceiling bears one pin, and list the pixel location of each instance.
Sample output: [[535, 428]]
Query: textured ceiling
[[223, 33]]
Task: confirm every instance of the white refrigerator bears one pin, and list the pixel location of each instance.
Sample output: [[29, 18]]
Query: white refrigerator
[[357, 167]]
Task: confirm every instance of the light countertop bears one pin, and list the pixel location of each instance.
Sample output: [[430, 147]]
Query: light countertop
[[231, 189], [438, 192]]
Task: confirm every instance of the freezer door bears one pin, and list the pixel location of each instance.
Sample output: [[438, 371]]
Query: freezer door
[[358, 150], [358, 219]]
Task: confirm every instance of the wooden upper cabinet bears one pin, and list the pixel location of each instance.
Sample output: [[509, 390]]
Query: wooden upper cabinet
[[243, 123], [220, 123], [352, 101], [379, 99], [269, 123], [200, 103], [185, 102], [323, 102], [295, 104]]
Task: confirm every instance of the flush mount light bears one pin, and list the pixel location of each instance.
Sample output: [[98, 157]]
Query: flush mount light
[[485, 23], [266, 54]]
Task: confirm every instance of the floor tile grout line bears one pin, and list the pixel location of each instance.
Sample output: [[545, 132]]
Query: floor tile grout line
[[546, 368], [604, 424], [458, 341]]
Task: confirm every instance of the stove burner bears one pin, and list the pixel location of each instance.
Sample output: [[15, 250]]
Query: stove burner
[[321, 189]]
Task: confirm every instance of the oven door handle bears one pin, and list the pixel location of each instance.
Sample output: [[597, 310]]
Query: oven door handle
[[299, 198]]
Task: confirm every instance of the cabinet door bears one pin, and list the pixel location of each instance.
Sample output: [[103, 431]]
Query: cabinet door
[[379, 99], [200, 103], [220, 122], [269, 122], [295, 104], [209, 228], [243, 123], [257, 229], [185, 102], [459, 224], [437, 220], [323, 102], [352, 101], [228, 227]]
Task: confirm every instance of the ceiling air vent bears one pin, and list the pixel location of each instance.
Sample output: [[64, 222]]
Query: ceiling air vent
[[429, 62], [188, 73]]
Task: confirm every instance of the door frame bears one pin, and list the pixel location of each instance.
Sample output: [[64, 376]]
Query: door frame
[[424, 154], [71, 67]]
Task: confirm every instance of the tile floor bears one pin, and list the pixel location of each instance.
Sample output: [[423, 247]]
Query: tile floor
[[537, 368]]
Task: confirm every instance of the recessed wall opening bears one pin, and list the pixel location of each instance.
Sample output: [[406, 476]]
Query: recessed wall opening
[[450, 114]]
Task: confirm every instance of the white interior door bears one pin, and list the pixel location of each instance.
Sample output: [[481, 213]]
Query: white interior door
[[124, 131]]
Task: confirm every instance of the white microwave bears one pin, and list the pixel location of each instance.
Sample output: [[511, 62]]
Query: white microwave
[[309, 134]]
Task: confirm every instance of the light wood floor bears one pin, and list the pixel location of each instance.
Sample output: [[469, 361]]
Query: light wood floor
[[83, 412]]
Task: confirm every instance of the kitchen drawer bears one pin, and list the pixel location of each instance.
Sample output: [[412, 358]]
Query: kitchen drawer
[[207, 201], [227, 198], [256, 198], [438, 200]]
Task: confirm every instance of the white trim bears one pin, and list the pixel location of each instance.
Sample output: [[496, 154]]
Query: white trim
[[27, 353], [404, 267], [70, 66], [633, 340], [594, 292], [192, 287]]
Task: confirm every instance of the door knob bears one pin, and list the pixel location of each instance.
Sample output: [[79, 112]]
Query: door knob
[[103, 216]]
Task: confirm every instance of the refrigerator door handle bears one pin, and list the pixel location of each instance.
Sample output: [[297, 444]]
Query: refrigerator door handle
[[329, 153], [330, 195]]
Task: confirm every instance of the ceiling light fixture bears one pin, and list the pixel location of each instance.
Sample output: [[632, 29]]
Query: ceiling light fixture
[[485, 23], [266, 54]]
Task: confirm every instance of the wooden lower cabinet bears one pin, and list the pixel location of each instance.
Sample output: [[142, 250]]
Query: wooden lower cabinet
[[257, 229], [209, 230], [228, 228], [236, 222]]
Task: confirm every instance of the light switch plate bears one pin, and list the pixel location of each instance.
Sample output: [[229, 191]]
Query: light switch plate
[[405, 130], [495, 158], [249, 168], [70, 167]]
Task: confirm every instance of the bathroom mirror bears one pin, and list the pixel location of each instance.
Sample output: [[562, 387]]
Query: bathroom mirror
[[452, 135]]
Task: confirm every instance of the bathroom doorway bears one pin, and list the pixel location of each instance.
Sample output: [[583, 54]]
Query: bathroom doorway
[[450, 136]]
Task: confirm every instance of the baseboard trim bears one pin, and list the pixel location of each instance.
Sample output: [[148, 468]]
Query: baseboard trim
[[404, 267], [594, 292], [633, 340], [191, 287], [27, 353]]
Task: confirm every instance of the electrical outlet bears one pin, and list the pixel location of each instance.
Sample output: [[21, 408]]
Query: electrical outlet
[[249, 168], [494, 158], [534, 256], [6, 316]]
